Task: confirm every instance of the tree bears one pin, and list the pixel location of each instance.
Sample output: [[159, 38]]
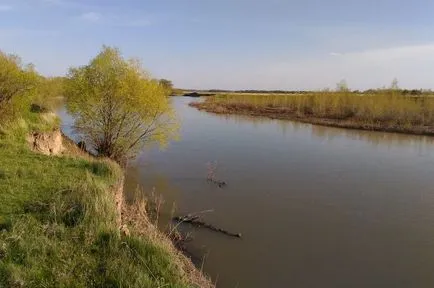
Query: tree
[[394, 85], [17, 84], [49, 92], [117, 106], [167, 85], [342, 86]]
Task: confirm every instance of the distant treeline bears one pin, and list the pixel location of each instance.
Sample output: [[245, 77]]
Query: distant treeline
[[401, 91], [257, 91], [414, 92]]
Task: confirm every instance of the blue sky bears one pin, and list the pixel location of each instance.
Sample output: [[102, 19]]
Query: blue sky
[[233, 44]]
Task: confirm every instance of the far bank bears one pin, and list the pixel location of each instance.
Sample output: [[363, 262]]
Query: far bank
[[387, 111]]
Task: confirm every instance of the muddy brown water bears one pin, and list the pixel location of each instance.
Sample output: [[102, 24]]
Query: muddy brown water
[[317, 206]]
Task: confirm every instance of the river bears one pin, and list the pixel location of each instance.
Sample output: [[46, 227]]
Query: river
[[317, 206]]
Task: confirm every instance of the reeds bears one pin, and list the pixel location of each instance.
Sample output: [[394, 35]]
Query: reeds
[[387, 106]]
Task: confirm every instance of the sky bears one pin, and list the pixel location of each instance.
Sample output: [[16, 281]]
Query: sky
[[233, 44]]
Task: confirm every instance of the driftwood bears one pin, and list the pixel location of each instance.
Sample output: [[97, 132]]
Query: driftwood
[[211, 178], [195, 221], [220, 184]]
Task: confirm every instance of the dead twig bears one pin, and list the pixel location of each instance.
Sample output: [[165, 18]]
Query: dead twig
[[195, 221]]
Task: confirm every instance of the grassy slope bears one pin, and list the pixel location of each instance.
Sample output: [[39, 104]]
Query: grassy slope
[[58, 223]]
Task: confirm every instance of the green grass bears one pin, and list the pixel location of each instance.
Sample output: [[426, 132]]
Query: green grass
[[383, 109], [58, 222]]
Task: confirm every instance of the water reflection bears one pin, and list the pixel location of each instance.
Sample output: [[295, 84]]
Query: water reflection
[[330, 133], [373, 138], [318, 206], [136, 182]]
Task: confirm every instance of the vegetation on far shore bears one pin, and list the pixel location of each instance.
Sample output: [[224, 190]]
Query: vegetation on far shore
[[382, 110], [59, 219]]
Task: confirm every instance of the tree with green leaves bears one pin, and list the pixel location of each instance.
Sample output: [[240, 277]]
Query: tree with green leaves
[[342, 86], [49, 92], [117, 106], [167, 85], [17, 85], [394, 85]]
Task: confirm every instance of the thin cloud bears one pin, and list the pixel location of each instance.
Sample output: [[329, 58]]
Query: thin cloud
[[398, 52], [401, 52], [137, 23], [4, 8], [335, 54], [66, 4], [363, 69], [115, 20], [195, 20], [12, 34], [91, 16], [54, 2]]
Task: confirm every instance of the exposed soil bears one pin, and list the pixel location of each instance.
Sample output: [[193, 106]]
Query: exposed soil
[[48, 143]]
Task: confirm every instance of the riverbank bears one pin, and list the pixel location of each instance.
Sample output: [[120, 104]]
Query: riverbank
[[63, 221], [387, 113]]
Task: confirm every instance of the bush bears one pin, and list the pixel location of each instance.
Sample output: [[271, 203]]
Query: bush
[[18, 84], [118, 108]]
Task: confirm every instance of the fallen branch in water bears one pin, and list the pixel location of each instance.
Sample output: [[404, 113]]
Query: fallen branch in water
[[211, 177], [220, 184], [195, 221]]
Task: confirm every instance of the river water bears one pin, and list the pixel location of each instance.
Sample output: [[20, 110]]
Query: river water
[[317, 206]]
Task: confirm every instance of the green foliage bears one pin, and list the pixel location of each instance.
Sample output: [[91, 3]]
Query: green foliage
[[49, 92], [167, 85], [342, 86], [117, 106], [58, 224], [394, 85], [58, 215], [18, 84]]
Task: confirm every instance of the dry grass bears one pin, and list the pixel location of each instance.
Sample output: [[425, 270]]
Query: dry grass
[[387, 111], [135, 217]]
